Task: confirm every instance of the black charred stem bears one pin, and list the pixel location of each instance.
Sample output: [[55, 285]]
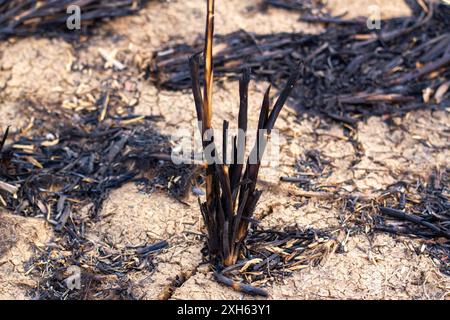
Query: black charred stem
[[231, 195], [241, 287], [5, 136], [5, 154], [194, 70]]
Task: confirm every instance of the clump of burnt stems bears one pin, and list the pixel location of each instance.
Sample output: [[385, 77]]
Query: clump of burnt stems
[[231, 193]]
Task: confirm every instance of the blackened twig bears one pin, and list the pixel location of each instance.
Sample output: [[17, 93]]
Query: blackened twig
[[405, 216]]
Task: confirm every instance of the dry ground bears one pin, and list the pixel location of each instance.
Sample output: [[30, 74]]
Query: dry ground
[[380, 267], [20, 240]]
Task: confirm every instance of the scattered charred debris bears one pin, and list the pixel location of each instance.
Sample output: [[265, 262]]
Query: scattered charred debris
[[313, 11], [78, 163], [269, 254], [420, 209], [26, 17], [351, 72], [102, 270], [61, 168], [415, 207], [312, 7]]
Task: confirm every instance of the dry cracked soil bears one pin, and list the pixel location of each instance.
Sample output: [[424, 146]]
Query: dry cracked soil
[[39, 70]]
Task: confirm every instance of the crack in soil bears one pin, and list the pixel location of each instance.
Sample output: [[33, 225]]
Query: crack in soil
[[180, 279]]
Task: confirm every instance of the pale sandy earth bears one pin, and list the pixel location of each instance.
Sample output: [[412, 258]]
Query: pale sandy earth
[[20, 240], [380, 268]]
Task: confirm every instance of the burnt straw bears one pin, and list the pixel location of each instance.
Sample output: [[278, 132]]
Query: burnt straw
[[24, 17], [351, 72], [231, 193], [63, 166]]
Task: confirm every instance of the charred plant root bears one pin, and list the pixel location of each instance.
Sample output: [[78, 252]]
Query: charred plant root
[[231, 194], [240, 287]]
